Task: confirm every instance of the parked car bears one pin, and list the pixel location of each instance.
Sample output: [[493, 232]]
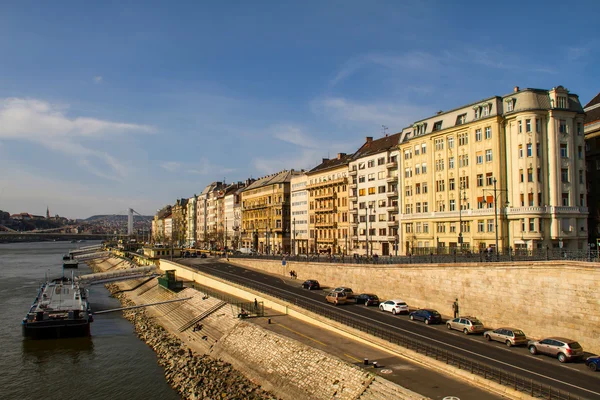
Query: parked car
[[426, 315], [394, 306], [593, 363], [367, 299], [186, 254], [562, 348], [311, 284], [336, 297], [347, 290], [194, 254], [466, 324], [202, 255], [508, 336]]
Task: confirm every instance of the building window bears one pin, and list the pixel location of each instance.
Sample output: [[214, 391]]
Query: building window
[[407, 154], [489, 179], [417, 188], [463, 139], [539, 174], [452, 205], [478, 135], [538, 125], [520, 126], [361, 179], [361, 192], [488, 132], [424, 187], [372, 190], [479, 180], [564, 175], [581, 176], [563, 127], [381, 161], [437, 126], [424, 168], [451, 142], [521, 176], [527, 125], [562, 102], [439, 165], [564, 150], [522, 198], [529, 150], [439, 144], [580, 152], [488, 155], [565, 199], [531, 224], [464, 182], [452, 227], [425, 206], [480, 225], [529, 174], [461, 119], [370, 163], [540, 201], [479, 158], [418, 169], [579, 129], [408, 190], [418, 207], [530, 199], [451, 184], [451, 163], [371, 177], [423, 148], [407, 173], [582, 200], [440, 186], [463, 160], [510, 105], [537, 150], [520, 151], [440, 227], [441, 205], [490, 225]]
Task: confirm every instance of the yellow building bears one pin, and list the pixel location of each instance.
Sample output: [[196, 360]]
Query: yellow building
[[266, 214], [493, 178], [327, 186]]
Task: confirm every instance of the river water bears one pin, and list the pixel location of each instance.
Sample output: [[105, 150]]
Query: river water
[[112, 364]]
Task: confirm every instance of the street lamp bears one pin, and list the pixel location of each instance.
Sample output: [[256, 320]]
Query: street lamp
[[225, 233], [496, 210], [294, 237], [460, 197]]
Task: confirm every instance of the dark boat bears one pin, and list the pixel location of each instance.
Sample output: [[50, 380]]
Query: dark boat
[[69, 261], [60, 309]]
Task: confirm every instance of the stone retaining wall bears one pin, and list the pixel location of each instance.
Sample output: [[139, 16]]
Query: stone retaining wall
[[541, 298]]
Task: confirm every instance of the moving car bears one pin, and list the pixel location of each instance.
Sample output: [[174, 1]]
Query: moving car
[[466, 324], [426, 315], [367, 299], [311, 284], [347, 290], [336, 298], [394, 306], [593, 363], [508, 336], [562, 348]]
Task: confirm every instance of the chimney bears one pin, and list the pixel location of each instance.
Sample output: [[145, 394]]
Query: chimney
[[439, 112], [369, 139], [340, 155], [325, 159], [516, 89]]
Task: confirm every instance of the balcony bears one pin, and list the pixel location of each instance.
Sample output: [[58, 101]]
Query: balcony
[[325, 209], [392, 178], [392, 208], [352, 198], [353, 172], [326, 224], [392, 165], [324, 196], [329, 182], [393, 193], [352, 186], [256, 206], [392, 223], [353, 211], [323, 240], [392, 238]]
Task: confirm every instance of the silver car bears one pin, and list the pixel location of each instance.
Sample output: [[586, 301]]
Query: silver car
[[466, 324], [347, 290], [562, 348], [508, 336]]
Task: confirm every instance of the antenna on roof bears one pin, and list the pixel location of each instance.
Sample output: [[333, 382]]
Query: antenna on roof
[[384, 129]]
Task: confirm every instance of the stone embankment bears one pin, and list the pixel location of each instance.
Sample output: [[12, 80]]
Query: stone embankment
[[193, 376]]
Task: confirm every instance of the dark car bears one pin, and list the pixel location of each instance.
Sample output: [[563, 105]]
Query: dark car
[[202, 255], [194, 254], [186, 254], [593, 363], [426, 315], [367, 299], [311, 284]]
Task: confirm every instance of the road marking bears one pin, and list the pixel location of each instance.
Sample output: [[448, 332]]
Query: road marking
[[431, 339], [353, 358], [300, 334]]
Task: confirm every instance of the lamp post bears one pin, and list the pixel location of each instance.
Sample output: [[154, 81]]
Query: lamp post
[[294, 237], [496, 211], [367, 229], [460, 235], [225, 233]]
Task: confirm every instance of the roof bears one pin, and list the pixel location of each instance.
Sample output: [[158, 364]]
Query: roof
[[377, 146], [341, 160], [593, 102], [592, 110], [280, 177]]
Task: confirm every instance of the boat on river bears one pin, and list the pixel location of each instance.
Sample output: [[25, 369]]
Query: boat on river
[[60, 309], [70, 262]]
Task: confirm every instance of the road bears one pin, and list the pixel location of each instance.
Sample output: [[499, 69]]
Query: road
[[574, 378]]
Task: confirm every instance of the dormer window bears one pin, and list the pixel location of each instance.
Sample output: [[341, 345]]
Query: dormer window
[[562, 102], [461, 119], [420, 129], [437, 126], [510, 105], [483, 110]]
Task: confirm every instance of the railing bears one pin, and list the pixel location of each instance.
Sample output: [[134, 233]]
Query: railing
[[514, 381]]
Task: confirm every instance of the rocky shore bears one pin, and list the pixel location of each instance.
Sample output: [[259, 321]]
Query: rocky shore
[[193, 376]]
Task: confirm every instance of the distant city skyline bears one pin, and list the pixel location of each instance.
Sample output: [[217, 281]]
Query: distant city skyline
[[104, 107]]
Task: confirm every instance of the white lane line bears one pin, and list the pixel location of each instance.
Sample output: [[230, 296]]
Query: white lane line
[[442, 343]]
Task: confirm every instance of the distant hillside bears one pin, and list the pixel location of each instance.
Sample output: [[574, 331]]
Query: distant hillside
[[115, 218]]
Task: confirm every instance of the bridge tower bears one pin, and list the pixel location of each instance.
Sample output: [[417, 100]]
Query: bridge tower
[[130, 222]]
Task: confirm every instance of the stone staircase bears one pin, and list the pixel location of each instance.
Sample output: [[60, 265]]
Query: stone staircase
[[382, 389]]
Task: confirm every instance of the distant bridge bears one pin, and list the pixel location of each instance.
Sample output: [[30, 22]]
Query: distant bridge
[[31, 236]]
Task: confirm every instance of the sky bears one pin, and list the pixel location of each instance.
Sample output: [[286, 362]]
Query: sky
[[111, 105]]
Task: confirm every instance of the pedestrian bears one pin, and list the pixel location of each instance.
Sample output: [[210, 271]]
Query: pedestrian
[[255, 304], [455, 308]]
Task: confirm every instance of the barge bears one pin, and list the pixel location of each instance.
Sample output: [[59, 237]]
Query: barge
[[70, 262], [60, 309]]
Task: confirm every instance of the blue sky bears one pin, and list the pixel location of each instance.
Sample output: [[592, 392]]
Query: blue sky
[[111, 105]]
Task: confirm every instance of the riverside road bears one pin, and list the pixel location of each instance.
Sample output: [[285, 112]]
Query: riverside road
[[572, 377]]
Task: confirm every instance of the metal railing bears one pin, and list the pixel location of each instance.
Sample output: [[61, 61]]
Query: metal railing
[[514, 381]]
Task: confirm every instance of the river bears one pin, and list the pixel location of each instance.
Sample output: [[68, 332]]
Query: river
[[111, 364]]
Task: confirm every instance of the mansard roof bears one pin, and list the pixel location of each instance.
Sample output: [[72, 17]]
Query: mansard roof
[[371, 146]]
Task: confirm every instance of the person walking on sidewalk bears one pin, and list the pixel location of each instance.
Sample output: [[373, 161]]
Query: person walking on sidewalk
[[455, 308]]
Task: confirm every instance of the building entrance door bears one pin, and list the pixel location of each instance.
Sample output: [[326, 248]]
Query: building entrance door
[[385, 249]]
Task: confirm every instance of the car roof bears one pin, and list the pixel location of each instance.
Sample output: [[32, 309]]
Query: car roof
[[508, 328], [562, 339], [367, 294], [397, 300]]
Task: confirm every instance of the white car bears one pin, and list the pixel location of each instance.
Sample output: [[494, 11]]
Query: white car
[[394, 306]]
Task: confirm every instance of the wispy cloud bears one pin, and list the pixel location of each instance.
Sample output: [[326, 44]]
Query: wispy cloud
[[171, 166], [98, 79], [294, 135], [47, 124]]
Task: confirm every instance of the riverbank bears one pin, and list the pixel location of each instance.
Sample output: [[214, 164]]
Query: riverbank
[[221, 344]]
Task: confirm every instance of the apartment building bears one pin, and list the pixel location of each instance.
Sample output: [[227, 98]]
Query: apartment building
[[327, 187], [507, 171], [592, 155], [299, 214], [373, 197], [179, 215], [231, 220], [206, 216], [190, 234], [266, 213]]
